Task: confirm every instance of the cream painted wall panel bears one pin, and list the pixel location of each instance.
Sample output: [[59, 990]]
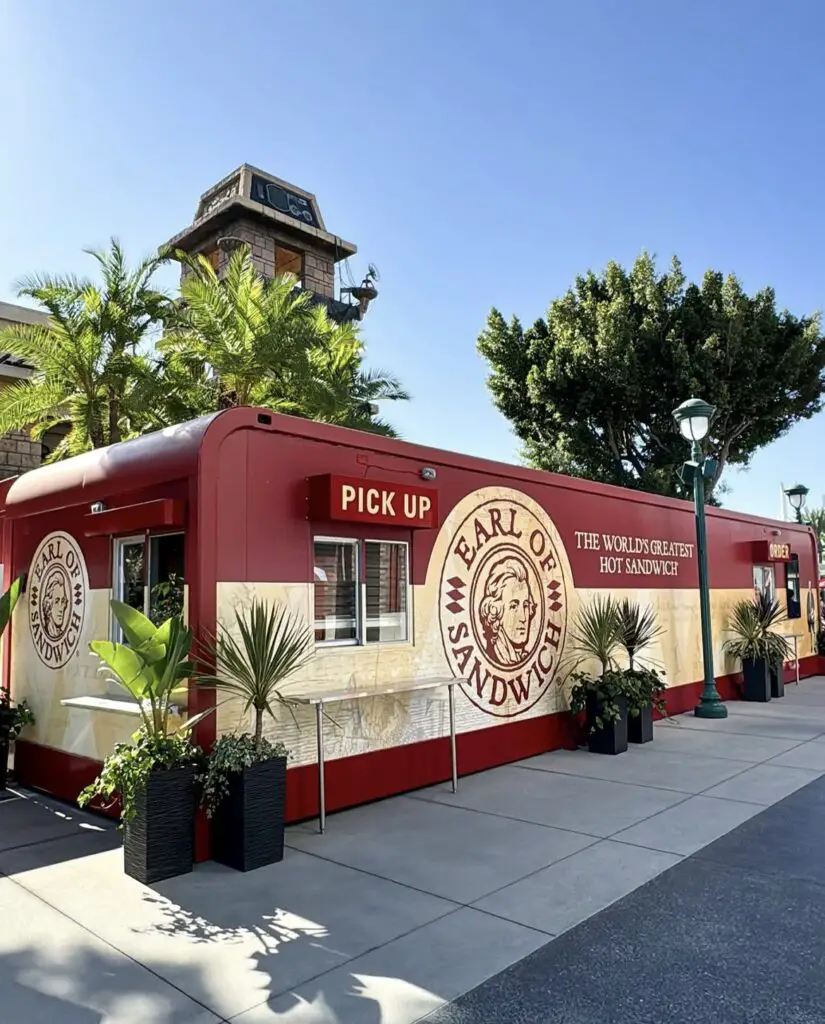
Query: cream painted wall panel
[[90, 734], [395, 720]]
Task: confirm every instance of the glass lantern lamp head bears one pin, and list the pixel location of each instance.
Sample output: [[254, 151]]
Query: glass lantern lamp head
[[693, 418], [796, 496]]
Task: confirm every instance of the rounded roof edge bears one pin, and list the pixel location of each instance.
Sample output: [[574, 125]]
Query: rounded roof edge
[[167, 454]]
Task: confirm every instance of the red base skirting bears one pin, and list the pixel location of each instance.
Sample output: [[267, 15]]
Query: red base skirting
[[366, 777]]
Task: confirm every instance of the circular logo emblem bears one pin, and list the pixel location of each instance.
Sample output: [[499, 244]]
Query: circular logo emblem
[[503, 605], [57, 586]]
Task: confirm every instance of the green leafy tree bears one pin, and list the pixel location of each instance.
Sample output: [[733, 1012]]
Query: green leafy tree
[[244, 340], [590, 388], [89, 358]]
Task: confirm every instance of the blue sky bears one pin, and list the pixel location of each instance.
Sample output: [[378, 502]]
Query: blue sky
[[480, 153]]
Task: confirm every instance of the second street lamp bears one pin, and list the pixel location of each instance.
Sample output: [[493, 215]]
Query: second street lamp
[[694, 419], [796, 496]]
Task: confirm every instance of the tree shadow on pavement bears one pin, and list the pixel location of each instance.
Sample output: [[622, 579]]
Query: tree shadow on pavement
[[81, 984]]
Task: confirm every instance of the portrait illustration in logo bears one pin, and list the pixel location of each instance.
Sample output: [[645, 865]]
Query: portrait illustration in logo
[[54, 601], [57, 587], [506, 611], [503, 604]]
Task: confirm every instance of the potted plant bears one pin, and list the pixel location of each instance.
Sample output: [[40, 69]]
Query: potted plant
[[748, 645], [603, 698], [13, 716], [778, 647], [604, 702], [244, 783], [154, 774], [645, 686]]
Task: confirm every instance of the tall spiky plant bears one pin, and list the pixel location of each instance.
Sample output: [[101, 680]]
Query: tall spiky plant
[[273, 644], [637, 629], [596, 633], [89, 354]]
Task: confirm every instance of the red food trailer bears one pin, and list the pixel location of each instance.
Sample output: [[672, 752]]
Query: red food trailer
[[413, 566]]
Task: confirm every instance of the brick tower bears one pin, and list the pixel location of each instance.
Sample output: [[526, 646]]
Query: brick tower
[[286, 232]]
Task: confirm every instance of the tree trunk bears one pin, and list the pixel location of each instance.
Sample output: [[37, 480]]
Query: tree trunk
[[259, 725], [114, 417]]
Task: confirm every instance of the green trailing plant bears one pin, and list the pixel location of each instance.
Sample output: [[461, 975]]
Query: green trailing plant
[[271, 645], [644, 688], [637, 629], [152, 668], [230, 755], [14, 715], [606, 694], [166, 599]]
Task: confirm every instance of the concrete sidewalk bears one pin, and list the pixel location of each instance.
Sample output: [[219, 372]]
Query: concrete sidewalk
[[403, 905]]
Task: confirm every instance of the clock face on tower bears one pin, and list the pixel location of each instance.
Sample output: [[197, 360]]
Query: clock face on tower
[[275, 196]]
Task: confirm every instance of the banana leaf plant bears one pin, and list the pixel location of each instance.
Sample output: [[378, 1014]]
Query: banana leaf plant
[[152, 666], [9, 714]]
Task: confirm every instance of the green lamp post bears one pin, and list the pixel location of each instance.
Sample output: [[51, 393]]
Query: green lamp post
[[693, 418], [796, 496]]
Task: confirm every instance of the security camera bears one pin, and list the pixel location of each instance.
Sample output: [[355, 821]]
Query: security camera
[[427, 473], [98, 506]]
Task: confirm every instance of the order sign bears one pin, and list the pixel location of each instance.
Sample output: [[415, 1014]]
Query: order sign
[[359, 500]]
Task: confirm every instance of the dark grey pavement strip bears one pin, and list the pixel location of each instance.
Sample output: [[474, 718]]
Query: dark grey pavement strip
[[734, 933]]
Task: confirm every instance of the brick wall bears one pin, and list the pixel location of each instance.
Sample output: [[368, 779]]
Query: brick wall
[[319, 271], [17, 454]]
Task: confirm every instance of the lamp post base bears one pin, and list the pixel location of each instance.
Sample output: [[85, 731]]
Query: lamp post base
[[711, 706]]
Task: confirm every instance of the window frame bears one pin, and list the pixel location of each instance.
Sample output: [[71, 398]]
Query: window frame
[[350, 542], [360, 639], [407, 594], [118, 543], [771, 571], [792, 572]]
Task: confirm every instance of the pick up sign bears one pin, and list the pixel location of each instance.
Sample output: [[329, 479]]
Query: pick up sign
[[363, 500]]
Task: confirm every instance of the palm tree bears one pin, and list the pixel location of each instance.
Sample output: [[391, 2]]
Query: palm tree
[[240, 333], [337, 389], [244, 340], [89, 355]]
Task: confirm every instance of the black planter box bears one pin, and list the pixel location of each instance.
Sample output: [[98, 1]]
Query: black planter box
[[160, 841], [640, 727], [612, 738], [756, 679], [777, 675], [248, 824]]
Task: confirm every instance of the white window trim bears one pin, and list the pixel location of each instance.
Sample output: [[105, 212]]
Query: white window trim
[[360, 639], [408, 604], [118, 543], [354, 543]]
